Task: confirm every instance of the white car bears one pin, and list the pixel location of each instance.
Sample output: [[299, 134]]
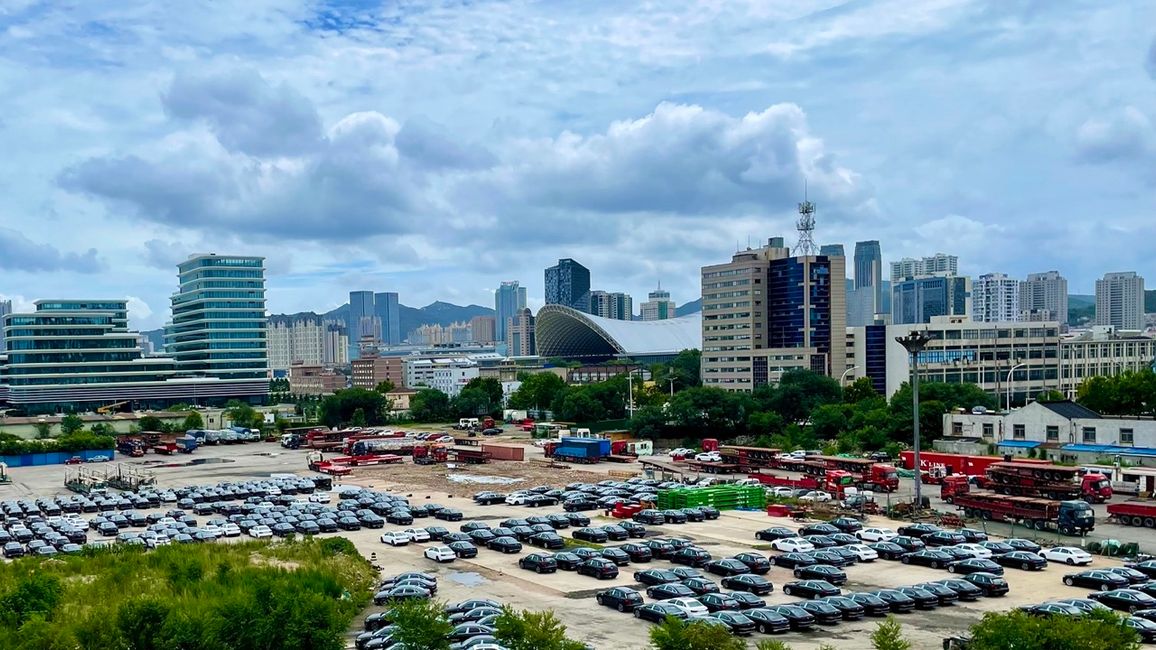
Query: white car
[[792, 545], [863, 552], [320, 497], [976, 550], [708, 457], [417, 535], [257, 532], [158, 540], [440, 554], [214, 530], [517, 498], [816, 496], [782, 491], [688, 605], [231, 530], [876, 534], [394, 538], [681, 451], [1069, 555]]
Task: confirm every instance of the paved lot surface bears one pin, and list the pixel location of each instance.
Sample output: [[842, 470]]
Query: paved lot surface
[[497, 576]]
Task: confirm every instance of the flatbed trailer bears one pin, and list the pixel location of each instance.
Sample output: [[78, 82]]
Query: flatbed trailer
[[620, 458], [749, 458], [469, 456], [805, 482], [713, 468], [1133, 513], [1068, 517]]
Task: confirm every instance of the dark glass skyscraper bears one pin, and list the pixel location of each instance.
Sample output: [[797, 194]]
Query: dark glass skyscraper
[[361, 317], [568, 283], [385, 308], [508, 301], [869, 270]]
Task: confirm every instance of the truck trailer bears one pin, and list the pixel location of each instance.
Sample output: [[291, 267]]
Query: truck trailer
[[1046, 480], [1133, 513], [1067, 517]]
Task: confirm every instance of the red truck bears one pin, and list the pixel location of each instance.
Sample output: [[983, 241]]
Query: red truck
[[806, 482], [428, 454], [865, 473], [1134, 513], [1068, 517], [1046, 480], [749, 458]]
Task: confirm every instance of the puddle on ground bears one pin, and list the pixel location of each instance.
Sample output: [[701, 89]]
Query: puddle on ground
[[466, 578], [485, 480], [199, 461]]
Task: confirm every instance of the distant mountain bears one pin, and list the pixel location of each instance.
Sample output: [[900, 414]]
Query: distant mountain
[[689, 308], [1085, 305], [157, 338], [1081, 300], [411, 318], [1150, 301]]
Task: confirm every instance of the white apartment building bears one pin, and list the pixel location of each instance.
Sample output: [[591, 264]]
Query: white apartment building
[[658, 305], [995, 298], [938, 264], [309, 341], [449, 375], [1120, 300], [1044, 296]]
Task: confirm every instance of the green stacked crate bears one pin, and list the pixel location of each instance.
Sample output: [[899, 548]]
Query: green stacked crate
[[723, 497]]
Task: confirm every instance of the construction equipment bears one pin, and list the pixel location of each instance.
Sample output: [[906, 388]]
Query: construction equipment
[[109, 408]]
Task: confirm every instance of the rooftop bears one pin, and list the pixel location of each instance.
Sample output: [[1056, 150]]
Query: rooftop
[[566, 332]]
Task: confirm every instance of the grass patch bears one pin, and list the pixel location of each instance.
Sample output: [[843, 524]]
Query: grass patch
[[300, 594], [581, 543]]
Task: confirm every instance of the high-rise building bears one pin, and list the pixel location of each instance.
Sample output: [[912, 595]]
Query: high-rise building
[[335, 344], [995, 298], [568, 283], [831, 250], [658, 305], [766, 312], [508, 301], [304, 341], [218, 324], [1120, 300], [869, 275], [483, 329], [520, 340], [385, 307], [5, 309], [372, 369], [361, 314], [938, 264], [1044, 296], [917, 300], [617, 306]]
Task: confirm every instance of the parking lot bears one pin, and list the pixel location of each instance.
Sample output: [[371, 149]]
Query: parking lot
[[571, 596]]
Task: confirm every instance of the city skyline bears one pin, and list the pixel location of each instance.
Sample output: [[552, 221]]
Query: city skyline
[[143, 142]]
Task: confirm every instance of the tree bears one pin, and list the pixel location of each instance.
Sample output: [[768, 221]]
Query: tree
[[384, 387], [421, 624], [141, 620], [685, 370], [43, 430], [471, 402], [492, 389], [888, 635], [193, 421], [338, 409], [1015, 629], [580, 405], [537, 391], [528, 630], [859, 390], [71, 423], [102, 429], [150, 423], [241, 414], [676, 634], [358, 418], [1050, 396], [429, 405]]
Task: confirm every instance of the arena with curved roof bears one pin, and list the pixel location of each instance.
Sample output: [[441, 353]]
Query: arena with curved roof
[[567, 333]]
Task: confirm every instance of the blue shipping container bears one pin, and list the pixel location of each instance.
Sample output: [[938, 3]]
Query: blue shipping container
[[576, 452], [53, 458]]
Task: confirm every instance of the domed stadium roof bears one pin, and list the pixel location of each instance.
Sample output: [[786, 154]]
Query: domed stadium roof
[[566, 332]]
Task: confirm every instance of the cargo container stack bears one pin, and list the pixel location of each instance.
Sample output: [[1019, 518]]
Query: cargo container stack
[[723, 497]]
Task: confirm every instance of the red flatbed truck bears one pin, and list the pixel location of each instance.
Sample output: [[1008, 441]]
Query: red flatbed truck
[[866, 473], [1068, 517], [806, 482], [749, 458], [1134, 513], [1047, 480]]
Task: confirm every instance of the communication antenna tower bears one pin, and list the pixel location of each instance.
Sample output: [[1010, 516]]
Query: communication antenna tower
[[806, 227]]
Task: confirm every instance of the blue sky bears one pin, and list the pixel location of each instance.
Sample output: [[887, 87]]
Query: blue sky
[[437, 148]]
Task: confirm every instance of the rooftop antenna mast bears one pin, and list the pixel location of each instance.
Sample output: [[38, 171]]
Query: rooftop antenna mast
[[806, 227]]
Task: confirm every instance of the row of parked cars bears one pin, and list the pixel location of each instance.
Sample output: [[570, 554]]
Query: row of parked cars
[[1142, 621], [577, 497], [473, 620]]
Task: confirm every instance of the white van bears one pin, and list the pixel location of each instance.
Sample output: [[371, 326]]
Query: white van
[[468, 423]]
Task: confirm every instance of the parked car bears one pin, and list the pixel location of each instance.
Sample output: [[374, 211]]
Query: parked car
[[758, 564], [568, 561], [918, 530], [943, 538], [652, 577], [599, 568], [689, 605], [538, 563], [595, 535], [623, 599], [991, 585], [826, 572], [547, 540], [1069, 555], [1021, 560], [876, 534], [768, 621], [1023, 545], [847, 524], [774, 533], [463, 549], [963, 589], [691, 556], [799, 618], [1131, 575], [810, 589], [912, 544], [394, 538], [1125, 600], [872, 605], [792, 545], [440, 554], [932, 558], [923, 598], [896, 600], [749, 582], [747, 600], [792, 560], [717, 602], [888, 550], [701, 586], [636, 552], [669, 590], [975, 565], [727, 567], [657, 612]]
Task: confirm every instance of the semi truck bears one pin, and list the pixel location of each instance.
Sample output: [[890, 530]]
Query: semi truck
[[1067, 517], [1046, 480], [134, 447], [1133, 513]]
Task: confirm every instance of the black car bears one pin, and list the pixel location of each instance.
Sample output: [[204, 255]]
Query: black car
[[1021, 560], [401, 593], [685, 572], [972, 535], [489, 498], [633, 529], [997, 548], [709, 512], [844, 539], [826, 572], [824, 612], [747, 600], [1131, 575], [673, 516], [847, 524], [896, 600], [943, 538], [736, 622], [13, 549], [831, 557], [327, 525], [1023, 545], [436, 533], [678, 543], [615, 533], [660, 548], [872, 605], [558, 521], [692, 514], [616, 555], [755, 584], [911, 544], [1145, 628], [756, 563], [595, 535], [991, 585], [810, 589], [928, 558], [1125, 600], [792, 560], [778, 532], [888, 550], [923, 598], [691, 556], [650, 517], [547, 540], [600, 568], [538, 563], [463, 549], [1098, 579], [539, 500], [636, 552], [669, 590], [799, 618], [567, 561], [577, 519], [623, 599], [718, 602], [651, 577], [579, 504], [727, 567], [701, 586], [504, 544], [1147, 587], [1147, 567], [768, 621], [399, 517], [449, 514], [963, 589], [822, 528], [1046, 610], [918, 530], [481, 535], [975, 565], [821, 541], [586, 553], [657, 612]]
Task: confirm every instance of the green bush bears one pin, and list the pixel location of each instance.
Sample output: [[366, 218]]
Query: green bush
[[79, 441]]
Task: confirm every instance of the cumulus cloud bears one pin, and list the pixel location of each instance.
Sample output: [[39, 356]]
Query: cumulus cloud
[[1122, 135], [18, 253], [139, 309]]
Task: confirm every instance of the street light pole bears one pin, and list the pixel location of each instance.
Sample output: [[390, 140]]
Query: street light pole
[[845, 372], [1009, 380], [914, 342]]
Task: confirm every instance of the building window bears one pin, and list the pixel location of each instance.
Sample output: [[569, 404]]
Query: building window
[[1090, 435], [1018, 432], [988, 429], [1053, 433], [957, 428], [1125, 436]]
